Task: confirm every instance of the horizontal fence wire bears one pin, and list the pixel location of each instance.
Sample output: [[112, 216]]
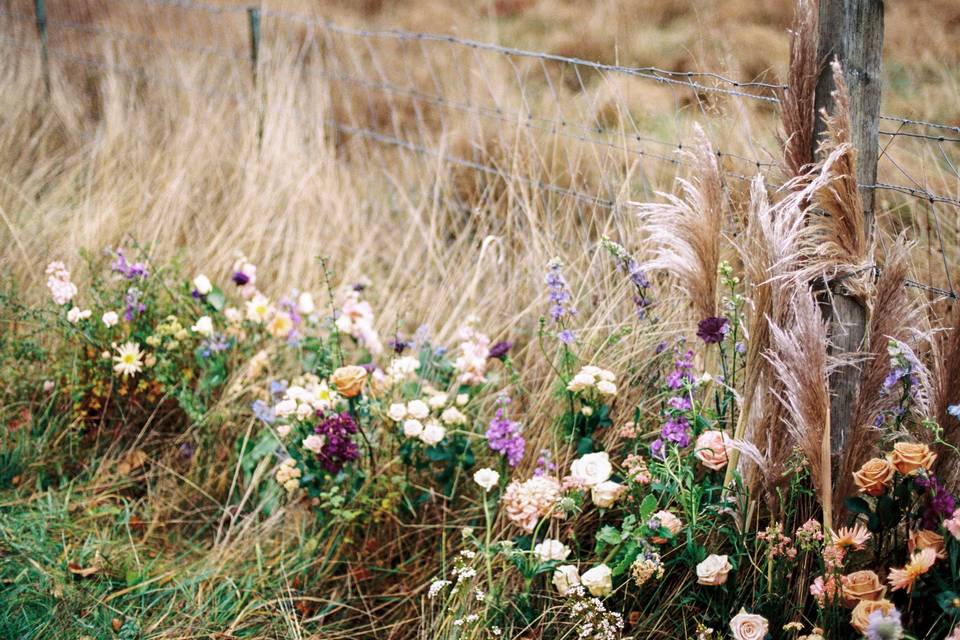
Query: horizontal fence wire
[[617, 139]]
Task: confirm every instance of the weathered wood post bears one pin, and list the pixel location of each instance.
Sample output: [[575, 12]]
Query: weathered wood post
[[40, 13], [851, 31], [253, 21]]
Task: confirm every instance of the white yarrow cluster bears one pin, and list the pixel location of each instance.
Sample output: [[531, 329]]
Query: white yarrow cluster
[[593, 378]]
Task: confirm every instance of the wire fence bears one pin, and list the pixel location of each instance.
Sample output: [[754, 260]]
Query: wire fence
[[565, 128]]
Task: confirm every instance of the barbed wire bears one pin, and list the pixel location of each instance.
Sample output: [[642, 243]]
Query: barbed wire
[[563, 126]]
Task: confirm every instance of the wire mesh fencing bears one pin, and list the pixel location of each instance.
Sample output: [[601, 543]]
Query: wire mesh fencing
[[507, 123]]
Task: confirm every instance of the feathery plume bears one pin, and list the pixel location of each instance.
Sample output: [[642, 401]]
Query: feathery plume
[[945, 384], [839, 228], [798, 356], [797, 98], [687, 229]]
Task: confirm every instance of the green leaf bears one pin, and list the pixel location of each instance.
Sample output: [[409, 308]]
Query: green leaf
[[647, 507]]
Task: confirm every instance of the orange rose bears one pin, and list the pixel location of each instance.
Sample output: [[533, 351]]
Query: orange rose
[[874, 476], [861, 613], [349, 380], [926, 539], [907, 457], [862, 585]]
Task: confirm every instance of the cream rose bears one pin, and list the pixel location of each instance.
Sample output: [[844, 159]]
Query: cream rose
[[412, 428], [606, 493], [591, 469], [551, 549], [418, 409], [566, 578], [349, 380], [862, 585], [598, 580], [907, 457], [711, 449], [748, 626], [874, 476], [859, 617], [397, 411], [580, 382], [433, 433], [713, 571], [202, 285], [314, 442]]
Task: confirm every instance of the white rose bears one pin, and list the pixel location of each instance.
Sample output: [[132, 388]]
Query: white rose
[[314, 443], [606, 376], [437, 401], [486, 478], [283, 430], [412, 428], [452, 415], [607, 388], [551, 549], [285, 408], [606, 493], [463, 398], [204, 326], [305, 304], [713, 571], [418, 409], [591, 469], [433, 433], [202, 285], [397, 411], [748, 626], [566, 578], [110, 319], [580, 382], [598, 581]]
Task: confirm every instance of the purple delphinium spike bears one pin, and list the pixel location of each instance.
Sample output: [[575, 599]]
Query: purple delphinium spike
[[503, 435]]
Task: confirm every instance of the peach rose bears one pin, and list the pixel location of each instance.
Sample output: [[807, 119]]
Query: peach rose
[[907, 457], [926, 539], [713, 571], [668, 521], [862, 585], [748, 626], [874, 476], [711, 449], [349, 380], [860, 615]]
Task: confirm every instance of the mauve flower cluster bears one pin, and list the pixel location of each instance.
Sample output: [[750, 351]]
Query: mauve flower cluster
[[503, 435], [713, 330], [339, 447], [676, 429], [940, 504], [129, 270]]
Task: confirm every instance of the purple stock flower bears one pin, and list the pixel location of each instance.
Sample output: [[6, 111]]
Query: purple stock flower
[[712, 330], [130, 271], [544, 463], [676, 431], [566, 336], [940, 504], [657, 449], [503, 435], [217, 343], [680, 403], [134, 306], [338, 447], [500, 349], [186, 450], [558, 292], [240, 278]]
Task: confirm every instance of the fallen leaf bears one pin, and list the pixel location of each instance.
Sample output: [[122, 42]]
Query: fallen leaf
[[132, 461], [116, 623]]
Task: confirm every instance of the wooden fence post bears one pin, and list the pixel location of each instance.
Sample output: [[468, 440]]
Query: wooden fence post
[[851, 31], [253, 20], [40, 13]]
